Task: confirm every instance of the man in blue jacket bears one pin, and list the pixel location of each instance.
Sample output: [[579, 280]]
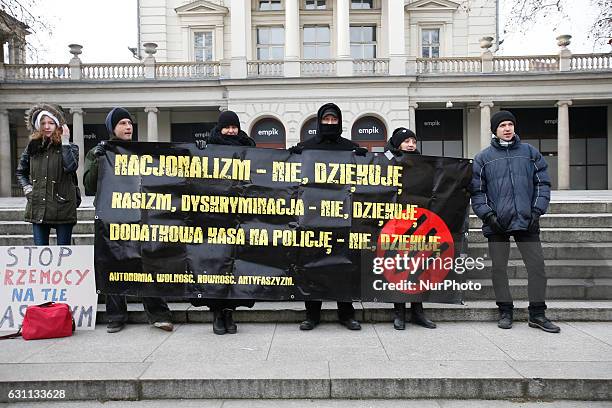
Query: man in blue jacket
[[510, 191]]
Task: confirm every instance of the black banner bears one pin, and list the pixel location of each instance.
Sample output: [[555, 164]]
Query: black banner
[[249, 223]]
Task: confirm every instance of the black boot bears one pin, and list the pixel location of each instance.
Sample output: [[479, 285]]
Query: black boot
[[218, 322], [418, 316], [399, 316], [230, 325]]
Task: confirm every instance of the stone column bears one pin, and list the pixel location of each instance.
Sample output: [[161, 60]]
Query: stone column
[[485, 124], [152, 124], [563, 145], [79, 140], [292, 39], [238, 24], [6, 175], [344, 63], [396, 40], [412, 116]]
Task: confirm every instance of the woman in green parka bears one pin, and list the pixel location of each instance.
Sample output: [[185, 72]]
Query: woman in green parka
[[46, 173]]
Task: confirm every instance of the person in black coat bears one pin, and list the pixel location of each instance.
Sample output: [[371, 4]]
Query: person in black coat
[[404, 141], [329, 137], [226, 132]]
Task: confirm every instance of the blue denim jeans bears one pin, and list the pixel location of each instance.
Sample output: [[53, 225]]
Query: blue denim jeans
[[42, 231]]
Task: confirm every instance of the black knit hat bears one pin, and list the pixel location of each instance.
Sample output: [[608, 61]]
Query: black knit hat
[[228, 118], [399, 135], [113, 117], [500, 117], [330, 111]]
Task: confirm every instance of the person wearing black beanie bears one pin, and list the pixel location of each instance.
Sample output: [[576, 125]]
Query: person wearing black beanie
[[510, 192], [227, 132], [120, 127], [404, 141]]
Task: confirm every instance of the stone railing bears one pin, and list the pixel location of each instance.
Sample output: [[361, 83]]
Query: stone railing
[[265, 68], [591, 62], [545, 63], [318, 67], [37, 71], [458, 65], [112, 71], [187, 70], [371, 66]]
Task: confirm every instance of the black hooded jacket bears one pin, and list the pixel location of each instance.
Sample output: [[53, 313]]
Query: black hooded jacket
[[328, 137]]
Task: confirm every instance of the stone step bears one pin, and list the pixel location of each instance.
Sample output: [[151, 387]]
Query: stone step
[[16, 214], [554, 251], [559, 235], [294, 312], [25, 228], [583, 269], [566, 289], [590, 220]]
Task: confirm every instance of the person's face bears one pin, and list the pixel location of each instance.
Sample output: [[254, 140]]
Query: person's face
[[231, 130], [408, 145], [329, 120], [123, 129], [47, 126], [505, 130]]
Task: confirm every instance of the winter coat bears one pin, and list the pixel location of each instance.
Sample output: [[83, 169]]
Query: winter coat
[[50, 168], [511, 182]]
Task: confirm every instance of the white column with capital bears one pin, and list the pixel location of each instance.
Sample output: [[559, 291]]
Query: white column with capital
[[412, 116], [292, 38], [485, 124], [152, 124], [344, 63], [563, 145], [396, 39], [238, 25], [5, 155], [78, 139]]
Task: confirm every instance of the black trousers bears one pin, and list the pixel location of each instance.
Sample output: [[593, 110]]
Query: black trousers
[[531, 250], [313, 310], [156, 309]]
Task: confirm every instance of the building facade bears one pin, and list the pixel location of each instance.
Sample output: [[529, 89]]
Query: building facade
[[429, 65]]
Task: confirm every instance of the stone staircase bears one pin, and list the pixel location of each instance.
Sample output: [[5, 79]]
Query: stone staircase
[[577, 242]]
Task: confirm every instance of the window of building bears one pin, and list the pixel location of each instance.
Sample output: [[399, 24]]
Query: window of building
[[363, 42], [315, 5], [362, 4], [203, 45], [267, 5], [317, 42], [270, 43], [430, 43]]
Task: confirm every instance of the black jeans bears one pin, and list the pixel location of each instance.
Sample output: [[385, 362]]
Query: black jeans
[[313, 310], [531, 250], [156, 308]]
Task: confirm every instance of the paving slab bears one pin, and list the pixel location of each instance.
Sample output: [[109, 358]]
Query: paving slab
[[197, 342], [449, 341], [524, 343], [599, 331], [327, 342]]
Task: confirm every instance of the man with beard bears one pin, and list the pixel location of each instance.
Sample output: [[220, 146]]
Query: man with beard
[[329, 137]]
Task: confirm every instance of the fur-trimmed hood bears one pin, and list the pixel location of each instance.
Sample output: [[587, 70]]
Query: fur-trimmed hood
[[33, 112]]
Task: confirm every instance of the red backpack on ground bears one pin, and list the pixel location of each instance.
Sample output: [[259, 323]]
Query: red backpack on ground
[[46, 321]]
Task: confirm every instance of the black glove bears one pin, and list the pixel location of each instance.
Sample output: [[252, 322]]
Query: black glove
[[100, 149], [361, 151], [534, 223], [493, 223], [297, 149]]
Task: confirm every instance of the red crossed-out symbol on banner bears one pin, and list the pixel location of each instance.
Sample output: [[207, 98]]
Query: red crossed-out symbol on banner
[[417, 234]]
